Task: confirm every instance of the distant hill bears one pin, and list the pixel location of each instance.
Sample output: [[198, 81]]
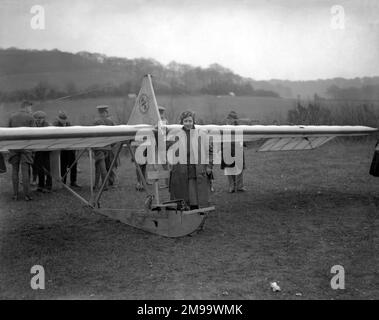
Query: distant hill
[[60, 72], [54, 73], [307, 89]]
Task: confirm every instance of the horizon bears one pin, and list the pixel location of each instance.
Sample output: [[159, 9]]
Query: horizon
[[261, 40]]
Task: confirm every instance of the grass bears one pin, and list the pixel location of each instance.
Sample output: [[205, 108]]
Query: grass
[[210, 108], [303, 213]]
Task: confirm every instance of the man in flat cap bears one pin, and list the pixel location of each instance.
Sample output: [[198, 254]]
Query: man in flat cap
[[42, 158], [21, 158], [103, 118], [103, 156], [68, 157]]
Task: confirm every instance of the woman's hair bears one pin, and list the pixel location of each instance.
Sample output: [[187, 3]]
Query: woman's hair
[[187, 114]]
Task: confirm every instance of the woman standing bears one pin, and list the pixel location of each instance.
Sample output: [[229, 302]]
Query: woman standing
[[190, 181]]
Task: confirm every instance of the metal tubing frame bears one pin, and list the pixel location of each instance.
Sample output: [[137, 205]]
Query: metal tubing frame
[[98, 196], [90, 172], [138, 167], [77, 195]]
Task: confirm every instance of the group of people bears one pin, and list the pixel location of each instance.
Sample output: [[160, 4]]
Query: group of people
[[36, 165], [190, 182]]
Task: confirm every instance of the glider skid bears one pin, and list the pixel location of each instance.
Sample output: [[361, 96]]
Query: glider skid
[[168, 222]]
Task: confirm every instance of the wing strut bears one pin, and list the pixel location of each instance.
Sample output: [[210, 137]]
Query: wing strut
[[104, 183], [150, 197]]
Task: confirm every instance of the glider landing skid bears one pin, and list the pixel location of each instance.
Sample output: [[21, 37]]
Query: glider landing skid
[[168, 222]]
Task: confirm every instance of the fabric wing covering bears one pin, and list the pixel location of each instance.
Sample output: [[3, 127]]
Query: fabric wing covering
[[285, 138], [309, 137], [76, 137], [273, 138]]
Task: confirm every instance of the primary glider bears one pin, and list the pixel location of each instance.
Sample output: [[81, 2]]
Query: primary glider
[[167, 218]]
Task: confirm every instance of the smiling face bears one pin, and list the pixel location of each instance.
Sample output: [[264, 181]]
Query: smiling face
[[188, 123]]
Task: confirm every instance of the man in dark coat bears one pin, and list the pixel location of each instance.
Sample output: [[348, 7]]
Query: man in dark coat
[[68, 157], [42, 158], [21, 158], [3, 167], [235, 181], [104, 155]]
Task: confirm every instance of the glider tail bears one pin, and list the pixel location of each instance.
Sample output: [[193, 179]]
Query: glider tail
[[145, 109]]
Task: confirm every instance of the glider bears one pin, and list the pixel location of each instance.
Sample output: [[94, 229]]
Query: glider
[[163, 218]]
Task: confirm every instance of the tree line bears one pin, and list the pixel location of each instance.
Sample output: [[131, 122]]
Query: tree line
[[114, 76], [43, 90], [366, 92]]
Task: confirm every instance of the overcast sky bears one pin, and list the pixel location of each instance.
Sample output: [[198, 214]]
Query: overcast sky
[[260, 39]]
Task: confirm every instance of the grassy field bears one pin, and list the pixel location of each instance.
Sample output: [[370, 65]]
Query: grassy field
[[303, 213], [210, 108]]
